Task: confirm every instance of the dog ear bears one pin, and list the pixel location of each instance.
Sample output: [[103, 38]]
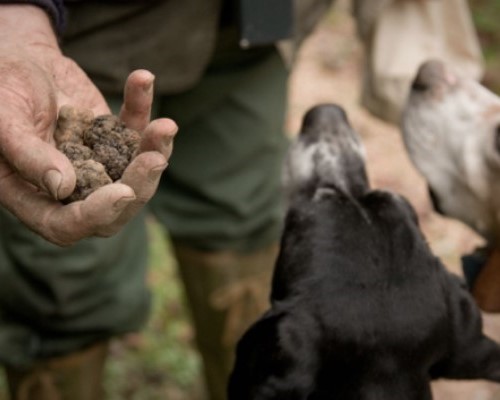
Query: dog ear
[[253, 357], [274, 360]]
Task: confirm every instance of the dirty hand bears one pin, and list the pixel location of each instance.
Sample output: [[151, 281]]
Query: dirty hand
[[36, 79]]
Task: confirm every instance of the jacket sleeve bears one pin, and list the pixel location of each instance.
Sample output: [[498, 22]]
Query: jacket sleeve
[[54, 8]]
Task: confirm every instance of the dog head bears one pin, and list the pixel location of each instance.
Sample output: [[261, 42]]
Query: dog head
[[451, 129], [332, 210], [447, 113], [360, 307]]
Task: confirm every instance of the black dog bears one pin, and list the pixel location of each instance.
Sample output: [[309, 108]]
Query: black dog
[[361, 309]]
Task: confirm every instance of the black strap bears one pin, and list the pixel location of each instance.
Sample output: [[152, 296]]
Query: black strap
[[263, 22]]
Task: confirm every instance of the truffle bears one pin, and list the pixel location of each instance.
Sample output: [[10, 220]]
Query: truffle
[[99, 148], [90, 176]]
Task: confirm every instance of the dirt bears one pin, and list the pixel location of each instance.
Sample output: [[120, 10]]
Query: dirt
[[99, 148], [329, 69]]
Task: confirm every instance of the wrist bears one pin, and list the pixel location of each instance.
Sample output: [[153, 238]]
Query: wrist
[[54, 8], [26, 26]]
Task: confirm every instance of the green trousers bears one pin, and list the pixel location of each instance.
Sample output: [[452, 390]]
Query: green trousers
[[222, 187], [56, 300], [220, 192]]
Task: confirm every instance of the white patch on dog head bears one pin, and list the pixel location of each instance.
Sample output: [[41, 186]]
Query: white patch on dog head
[[329, 160]]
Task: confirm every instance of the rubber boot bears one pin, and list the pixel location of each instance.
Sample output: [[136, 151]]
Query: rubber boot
[[226, 293], [78, 376]]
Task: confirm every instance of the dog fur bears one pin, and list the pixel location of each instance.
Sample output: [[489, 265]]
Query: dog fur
[[360, 308], [451, 130]]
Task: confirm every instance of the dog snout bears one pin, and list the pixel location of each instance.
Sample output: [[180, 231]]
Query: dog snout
[[328, 152], [328, 125], [323, 118]]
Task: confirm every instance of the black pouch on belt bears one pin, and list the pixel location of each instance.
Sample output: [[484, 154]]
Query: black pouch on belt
[[263, 22]]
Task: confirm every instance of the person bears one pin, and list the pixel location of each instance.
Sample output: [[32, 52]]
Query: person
[[73, 276]]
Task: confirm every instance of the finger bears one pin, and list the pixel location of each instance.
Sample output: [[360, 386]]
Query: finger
[[143, 176], [103, 207], [158, 136], [36, 160], [27, 120], [27, 203], [64, 224], [67, 224], [137, 100]]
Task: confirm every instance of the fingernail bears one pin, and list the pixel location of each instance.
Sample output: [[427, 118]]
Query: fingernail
[[123, 202], [165, 143], [148, 87], [52, 181], [154, 173]]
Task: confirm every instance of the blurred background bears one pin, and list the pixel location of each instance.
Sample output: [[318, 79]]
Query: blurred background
[[160, 363]]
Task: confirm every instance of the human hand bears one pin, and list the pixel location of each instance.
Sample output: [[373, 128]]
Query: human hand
[[36, 80]]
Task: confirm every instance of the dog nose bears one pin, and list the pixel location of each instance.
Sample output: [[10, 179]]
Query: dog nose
[[323, 118], [429, 74]]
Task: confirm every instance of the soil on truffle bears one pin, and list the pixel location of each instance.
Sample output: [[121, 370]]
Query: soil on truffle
[[99, 148]]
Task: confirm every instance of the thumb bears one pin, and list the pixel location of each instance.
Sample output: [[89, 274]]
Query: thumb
[[36, 160]]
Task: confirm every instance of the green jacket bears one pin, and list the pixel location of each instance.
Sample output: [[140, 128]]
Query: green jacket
[[175, 39]]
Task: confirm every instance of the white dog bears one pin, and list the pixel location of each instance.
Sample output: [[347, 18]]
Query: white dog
[[451, 129]]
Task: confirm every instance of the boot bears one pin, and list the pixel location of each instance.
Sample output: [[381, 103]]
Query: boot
[[226, 292], [77, 376]]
